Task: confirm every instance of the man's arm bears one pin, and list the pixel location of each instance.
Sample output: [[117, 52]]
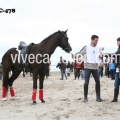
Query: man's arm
[[101, 53], [82, 51], [58, 65]]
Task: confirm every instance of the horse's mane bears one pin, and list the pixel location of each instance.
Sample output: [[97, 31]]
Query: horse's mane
[[49, 37]]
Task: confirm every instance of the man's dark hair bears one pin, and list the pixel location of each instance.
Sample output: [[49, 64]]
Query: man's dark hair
[[93, 37], [118, 39]]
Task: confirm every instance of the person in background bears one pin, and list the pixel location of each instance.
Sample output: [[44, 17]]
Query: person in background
[[107, 69], [100, 69], [71, 67], [78, 68], [59, 64], [117, 73], [83, 72], [106, 62], [62, 67], [112, 69], [68, 68]]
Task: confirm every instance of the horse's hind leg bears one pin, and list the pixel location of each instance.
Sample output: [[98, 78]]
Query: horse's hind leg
[[5, 83], [15, 74]]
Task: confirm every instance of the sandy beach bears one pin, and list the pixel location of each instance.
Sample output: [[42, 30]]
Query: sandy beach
[[63, 101]]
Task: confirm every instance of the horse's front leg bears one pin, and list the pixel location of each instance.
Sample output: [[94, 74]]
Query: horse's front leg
[[34, 87], [41, 92]]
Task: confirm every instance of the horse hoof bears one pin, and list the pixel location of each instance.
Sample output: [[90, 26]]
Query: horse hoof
[[13, 98], [34, 102], [42, 101], [4, 99]]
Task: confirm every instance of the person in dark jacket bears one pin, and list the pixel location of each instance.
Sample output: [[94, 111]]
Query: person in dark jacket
[[71, 67], [117, 74], [62, 67], [107, 70]]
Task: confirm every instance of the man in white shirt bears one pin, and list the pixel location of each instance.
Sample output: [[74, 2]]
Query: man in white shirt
[[92, 56]]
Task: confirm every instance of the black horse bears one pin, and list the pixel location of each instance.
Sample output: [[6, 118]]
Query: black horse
[[40, 51]]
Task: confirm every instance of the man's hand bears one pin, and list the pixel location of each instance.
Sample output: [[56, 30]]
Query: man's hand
[[101, 55]]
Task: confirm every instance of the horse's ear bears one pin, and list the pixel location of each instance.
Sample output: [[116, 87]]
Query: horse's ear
[[66, 31]]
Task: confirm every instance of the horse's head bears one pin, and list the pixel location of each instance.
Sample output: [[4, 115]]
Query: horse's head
[[64, 44]]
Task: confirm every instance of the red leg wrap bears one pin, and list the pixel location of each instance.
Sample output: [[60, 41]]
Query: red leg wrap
[[12, 93], [34, 95], [41, 94], [3, 92]]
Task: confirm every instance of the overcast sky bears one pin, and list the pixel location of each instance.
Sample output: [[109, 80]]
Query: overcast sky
[[34, 20]]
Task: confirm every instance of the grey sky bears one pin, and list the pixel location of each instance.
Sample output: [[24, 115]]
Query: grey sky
[[34, 20]]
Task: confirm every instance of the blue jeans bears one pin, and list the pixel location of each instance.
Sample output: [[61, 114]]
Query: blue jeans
[[100, 71], [117, 81], [83, 74], [112, 73], [63, 73]]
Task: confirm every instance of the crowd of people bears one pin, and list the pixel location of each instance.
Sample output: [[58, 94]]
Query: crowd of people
[[68, 67], [77, 67]]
